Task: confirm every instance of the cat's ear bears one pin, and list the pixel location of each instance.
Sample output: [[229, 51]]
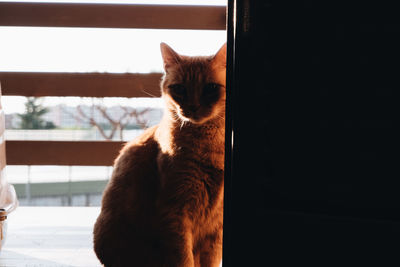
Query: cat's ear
[[170, 57], [220, 57]]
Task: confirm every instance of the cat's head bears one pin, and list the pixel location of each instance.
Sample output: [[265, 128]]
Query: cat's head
[[194, 87]]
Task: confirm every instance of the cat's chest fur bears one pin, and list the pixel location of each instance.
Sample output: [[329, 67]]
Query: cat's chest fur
[[191, 173]]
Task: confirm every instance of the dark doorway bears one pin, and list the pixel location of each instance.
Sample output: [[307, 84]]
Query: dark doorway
[[312, 163]]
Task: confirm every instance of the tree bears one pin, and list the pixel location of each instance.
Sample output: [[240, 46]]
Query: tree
[[115, 124], [32, 118]]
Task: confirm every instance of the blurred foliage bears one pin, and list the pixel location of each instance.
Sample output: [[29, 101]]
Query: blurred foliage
[[32, 118]]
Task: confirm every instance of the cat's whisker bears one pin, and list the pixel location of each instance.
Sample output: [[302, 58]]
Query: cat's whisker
[[144, 91], [219, 116]]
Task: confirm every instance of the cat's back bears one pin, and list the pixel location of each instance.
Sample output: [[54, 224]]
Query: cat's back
[[140, 151], [128, 203], [135, 167]]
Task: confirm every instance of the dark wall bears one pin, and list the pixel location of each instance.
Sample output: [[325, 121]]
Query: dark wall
[[312, 104]]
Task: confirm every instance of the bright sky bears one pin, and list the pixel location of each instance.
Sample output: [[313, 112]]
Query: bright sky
[[98, 50]]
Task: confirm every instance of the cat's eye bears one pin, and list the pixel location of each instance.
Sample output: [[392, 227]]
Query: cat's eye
[[177, 89], [211, 89]]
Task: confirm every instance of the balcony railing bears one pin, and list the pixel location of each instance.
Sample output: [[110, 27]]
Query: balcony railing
[[112, 16], [92, 153]]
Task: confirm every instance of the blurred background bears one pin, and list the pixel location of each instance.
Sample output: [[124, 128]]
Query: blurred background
[[85, 50]]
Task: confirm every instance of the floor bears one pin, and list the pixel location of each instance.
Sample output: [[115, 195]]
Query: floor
[[50, 237]]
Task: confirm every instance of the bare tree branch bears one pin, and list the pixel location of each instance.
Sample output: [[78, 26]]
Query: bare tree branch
[[139, 116], [129, 114], [94, 123]]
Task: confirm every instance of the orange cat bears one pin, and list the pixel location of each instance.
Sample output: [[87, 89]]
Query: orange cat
[[164, 203]]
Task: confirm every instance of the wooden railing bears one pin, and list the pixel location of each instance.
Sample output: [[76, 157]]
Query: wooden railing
[[94, 153], [80, 84], [112, 16]]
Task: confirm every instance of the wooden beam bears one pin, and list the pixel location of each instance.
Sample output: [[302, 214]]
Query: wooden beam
[[81, 153], [112, 15], [80, 84]]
